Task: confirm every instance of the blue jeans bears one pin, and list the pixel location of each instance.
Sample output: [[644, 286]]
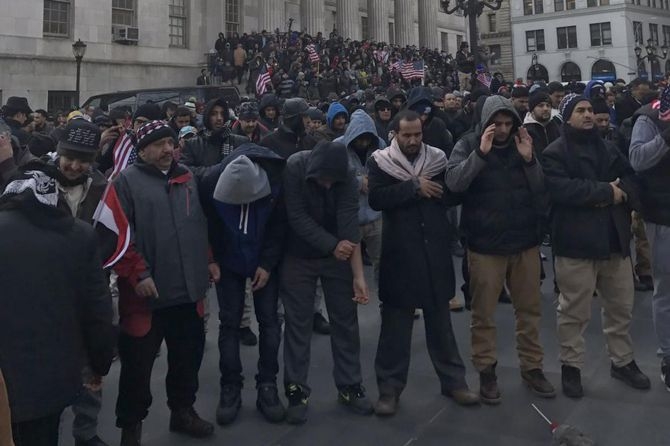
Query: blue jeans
[[230, 293], [659, 241]]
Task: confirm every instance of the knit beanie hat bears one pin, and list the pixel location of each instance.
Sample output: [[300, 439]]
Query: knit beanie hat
[[150, 111], [249, 110], [242, 181], [80, 136], [568, 104], [519, 92], [538, 98], [600, 106], [152, 132]]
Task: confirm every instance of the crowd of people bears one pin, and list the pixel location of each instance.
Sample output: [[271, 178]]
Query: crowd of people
[[282, 202]]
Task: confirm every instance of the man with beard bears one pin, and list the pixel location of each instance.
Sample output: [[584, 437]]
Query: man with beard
[[268, 111], [217, 142], [397, 97], [382, 117], [601, 117], [503, 187], [434, 131], [592, 189], [248, 123], [416, 271], [520, 100], [539, 123], [291, 135], [556, 93]]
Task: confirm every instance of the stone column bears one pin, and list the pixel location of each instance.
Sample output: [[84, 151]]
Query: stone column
[[311, 16], [428, 35], [378, 22], [348, 19], [271, 16], [404, 21]]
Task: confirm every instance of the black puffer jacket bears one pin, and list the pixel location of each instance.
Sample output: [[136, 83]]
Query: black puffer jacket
[[214, 145], [435, 131], [585, 222], [269, 100], [504, 195]]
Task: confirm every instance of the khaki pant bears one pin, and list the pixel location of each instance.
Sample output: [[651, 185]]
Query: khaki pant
[[642, 249], [488, 274], [464, 81], [5, 418], [578, 279]]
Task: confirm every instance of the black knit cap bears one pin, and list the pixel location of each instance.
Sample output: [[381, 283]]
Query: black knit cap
[[150, 111], [80, 136], [152, 132], [538, 98], [599, 106], [569, 103], [520, 92]]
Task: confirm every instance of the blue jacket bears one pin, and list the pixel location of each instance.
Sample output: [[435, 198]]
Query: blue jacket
[[360, 124], [244, 237]]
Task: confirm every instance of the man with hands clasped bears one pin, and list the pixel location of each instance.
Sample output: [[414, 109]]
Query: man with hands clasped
[[321, 194], [504, 199]]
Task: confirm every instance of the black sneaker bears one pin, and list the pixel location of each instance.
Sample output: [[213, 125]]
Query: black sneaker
[[571, 381], [248, 337], [353, 397], [631, 375], [188, 422], [320, 324], [229, 404], [269, 404], [95, 441], [296, 413], [644, 283], [665, 373]]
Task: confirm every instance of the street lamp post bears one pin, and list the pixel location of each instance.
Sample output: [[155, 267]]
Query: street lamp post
[[534, 68], [79, 50], [471, 9], [652, 56]]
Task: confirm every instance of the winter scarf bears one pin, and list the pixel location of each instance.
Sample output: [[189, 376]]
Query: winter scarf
[[430, 162]]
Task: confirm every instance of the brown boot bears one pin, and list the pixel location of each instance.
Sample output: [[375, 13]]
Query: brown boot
[[386, 405], [538, 383], [488, 386], [187, 421], [462, 397]]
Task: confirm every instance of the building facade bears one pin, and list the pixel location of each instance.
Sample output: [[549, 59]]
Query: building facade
[[495, 34], [132, 44], [568, 40]]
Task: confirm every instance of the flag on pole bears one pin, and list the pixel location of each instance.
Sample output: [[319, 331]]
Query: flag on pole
[[412, 70], [124, 154], [485, 79], [395, 66], [112, 227], [263, 80], [313, 55]]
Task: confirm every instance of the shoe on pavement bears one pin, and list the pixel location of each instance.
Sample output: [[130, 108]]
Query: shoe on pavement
[[188, 422], [229, 404], [665, 373], [462, 397], [248, 337], [504, 297], [488, 386], [95, 441], [269, 404], [538, 383], [296, 412], [386, 405], [354, 398], [131, 435], [456, 305], [631, 375], [321, 324], [571, 382]]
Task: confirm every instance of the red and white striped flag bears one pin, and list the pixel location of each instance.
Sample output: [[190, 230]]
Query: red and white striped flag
[[485, 79], [412, 70], [112, 227], [313, 55], [395, 66], [263, 80], [124, 154]]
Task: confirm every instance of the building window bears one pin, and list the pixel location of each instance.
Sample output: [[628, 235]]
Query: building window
[[567, 37], [459, 40], [232, 17], [564, 5], [62, 100], [56, 18], [492, 23], [444, 41], [531, 7], [638, 32], [391, 33], [123, 12], [666, 34], [365, 29], [535, 40], [494, 52], [178, 23], [601, 34], [653, 33], [592, 3]]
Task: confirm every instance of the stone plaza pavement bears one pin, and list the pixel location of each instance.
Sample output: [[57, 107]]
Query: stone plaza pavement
[[610, 412]]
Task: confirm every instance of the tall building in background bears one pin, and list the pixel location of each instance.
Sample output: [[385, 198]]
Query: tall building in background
[[495, 34], [133, 44], [568, 40]]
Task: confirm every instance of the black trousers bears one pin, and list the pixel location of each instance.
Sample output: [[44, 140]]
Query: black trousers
[[39, 432], [394, 349], [183, 330]]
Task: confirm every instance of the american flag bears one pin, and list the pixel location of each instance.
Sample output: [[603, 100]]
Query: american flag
[[313, 55], [124, 154], [263, 80], [412, 70], [395, 66], [664, 107], [485, 79]]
